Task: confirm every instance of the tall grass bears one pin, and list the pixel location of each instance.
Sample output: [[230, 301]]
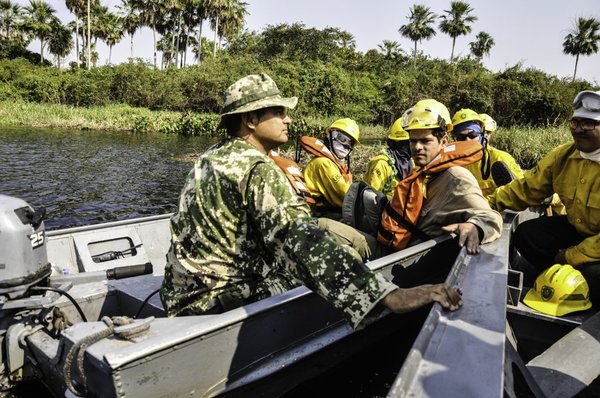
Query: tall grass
[[529, 144], [111, 117]]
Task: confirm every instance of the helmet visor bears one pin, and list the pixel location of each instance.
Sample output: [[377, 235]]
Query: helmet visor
[[588, 100], [422, 118], [343, 139]]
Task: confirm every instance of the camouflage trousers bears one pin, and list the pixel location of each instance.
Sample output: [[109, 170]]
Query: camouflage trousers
[[362, 243]]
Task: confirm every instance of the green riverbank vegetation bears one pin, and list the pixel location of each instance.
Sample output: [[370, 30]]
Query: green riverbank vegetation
[[321, 67]]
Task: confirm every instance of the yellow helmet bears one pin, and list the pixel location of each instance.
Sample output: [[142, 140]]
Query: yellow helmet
[[427, 114], [397, 133], [559, 290], [348, 126], [489, 124], [466, 115]]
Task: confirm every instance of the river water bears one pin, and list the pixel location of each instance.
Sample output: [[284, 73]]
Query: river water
[[87, 177]]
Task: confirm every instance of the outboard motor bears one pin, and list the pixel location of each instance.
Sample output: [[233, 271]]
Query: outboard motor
[[23, 256]]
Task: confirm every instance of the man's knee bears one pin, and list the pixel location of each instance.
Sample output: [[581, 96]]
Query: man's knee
[[347, 236]]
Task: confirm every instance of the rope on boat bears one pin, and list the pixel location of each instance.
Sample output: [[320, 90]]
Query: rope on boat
[[121, 326]]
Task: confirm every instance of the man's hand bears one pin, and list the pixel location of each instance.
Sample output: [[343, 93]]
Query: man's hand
[[560, 257], [468, 235], [406, 300]]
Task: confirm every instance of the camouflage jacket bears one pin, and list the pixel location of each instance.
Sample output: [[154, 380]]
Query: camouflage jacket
[[242, 234]]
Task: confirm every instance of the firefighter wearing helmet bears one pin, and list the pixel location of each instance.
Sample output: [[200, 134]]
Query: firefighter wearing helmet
[[439, 195], [392, 164], [327, 175], [469, 125]]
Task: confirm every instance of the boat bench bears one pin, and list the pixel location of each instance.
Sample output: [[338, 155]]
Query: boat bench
[[132, 292], [572, 363]]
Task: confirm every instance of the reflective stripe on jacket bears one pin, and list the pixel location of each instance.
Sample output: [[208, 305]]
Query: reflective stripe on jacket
[[294, 175]]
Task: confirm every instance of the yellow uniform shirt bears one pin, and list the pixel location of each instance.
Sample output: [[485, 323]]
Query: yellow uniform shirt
[[577, 183], [488, 186], [381, 175], [325, 181]]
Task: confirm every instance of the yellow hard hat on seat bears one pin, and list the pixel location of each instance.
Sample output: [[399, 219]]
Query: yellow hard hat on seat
[[427, 114], [397, 133], [559, 290], [347, 126], [489, 124]]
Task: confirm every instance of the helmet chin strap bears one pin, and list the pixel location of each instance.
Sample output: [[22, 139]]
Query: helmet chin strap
[[486, 166]]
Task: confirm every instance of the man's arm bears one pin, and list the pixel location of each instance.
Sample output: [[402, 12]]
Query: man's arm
[[378, 171], [531, 190], [314, 258], [326, 176], [587, 251], [468, 214], [405, 300]]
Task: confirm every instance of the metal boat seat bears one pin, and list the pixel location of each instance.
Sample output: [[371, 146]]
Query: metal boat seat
[[133, 292], [572, 363]]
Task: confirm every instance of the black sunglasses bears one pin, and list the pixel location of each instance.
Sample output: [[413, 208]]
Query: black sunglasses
[[467, 134]]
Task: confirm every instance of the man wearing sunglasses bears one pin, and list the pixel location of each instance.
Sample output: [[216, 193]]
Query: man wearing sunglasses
[[469, 125], [572, 171]]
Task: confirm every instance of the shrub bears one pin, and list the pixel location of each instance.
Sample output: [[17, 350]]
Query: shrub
[[194, 125]]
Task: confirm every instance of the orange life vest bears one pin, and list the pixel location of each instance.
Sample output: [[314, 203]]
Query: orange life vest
[[316, 146], [293, 173], [400, 216]]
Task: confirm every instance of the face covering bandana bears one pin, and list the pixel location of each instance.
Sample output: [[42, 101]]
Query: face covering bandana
[[399, 151], [341, 144], [340, 150], [593, 156]]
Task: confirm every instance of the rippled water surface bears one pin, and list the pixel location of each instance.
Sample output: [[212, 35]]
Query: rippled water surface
[[87, 177]]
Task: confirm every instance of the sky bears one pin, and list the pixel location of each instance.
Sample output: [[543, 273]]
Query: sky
[[529, 32]]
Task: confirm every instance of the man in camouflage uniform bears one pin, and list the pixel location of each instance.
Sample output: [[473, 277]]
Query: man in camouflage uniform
[[241, 233]]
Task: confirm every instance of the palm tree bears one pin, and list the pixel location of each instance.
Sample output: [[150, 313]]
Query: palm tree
[[390, 49], [60, 43], [130, 19], [10, 17], [77, 8], [200, 13], [482, 45], [456, 22], [38, 19], [174, 9], [582, 39], [345, 40], [419, 27], [151, 12], [96, 17], [227, 19], [114, 32]]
